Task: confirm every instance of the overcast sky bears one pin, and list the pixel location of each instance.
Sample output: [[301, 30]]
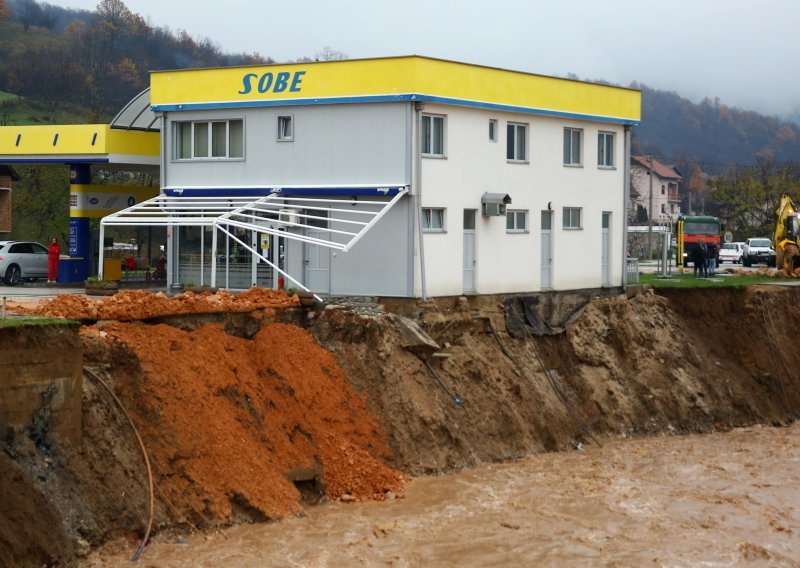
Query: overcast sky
[[745, 52]]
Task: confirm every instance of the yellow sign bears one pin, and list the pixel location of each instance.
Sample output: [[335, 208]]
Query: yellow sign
[[391, 79], [101, 200], [77, 140]]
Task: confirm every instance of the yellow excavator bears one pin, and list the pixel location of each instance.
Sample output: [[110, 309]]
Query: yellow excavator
[[787, 236]]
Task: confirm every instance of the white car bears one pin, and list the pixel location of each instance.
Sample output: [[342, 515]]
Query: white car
[[22, 260], [758, 250], [731, 252]]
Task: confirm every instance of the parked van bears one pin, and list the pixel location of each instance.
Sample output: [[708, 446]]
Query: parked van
[[731, 252]]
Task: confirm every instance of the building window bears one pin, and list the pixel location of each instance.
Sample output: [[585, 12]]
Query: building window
[[663, 209], [433, 219], [432, 135], [492, 130], [219, 139], [469, 219], [572, 218], [516, 140], [605, 149], [572, 146], [663, 189], [285, 129], [516, 221]]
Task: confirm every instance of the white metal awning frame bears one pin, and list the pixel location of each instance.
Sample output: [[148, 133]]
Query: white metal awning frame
[[274, 214]]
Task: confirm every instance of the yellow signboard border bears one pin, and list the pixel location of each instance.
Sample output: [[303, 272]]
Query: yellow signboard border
[[391, 79]]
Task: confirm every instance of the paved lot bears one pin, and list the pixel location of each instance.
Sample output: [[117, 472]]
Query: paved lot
[[37, 291], [653, 267]]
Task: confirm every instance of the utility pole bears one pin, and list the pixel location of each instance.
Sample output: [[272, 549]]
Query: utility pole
[[650, 212]]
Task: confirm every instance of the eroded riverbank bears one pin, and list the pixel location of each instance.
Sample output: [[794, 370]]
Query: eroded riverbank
[[717, 499], [251, 416]]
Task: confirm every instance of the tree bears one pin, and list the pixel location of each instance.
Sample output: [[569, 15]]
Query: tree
[[29, 13], [746, 198], [41, 205], [48, 74], [329, 54], [114, 13], [4, 11]]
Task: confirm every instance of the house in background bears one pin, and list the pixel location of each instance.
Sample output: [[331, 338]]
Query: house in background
[[7, 176], [666, 199]]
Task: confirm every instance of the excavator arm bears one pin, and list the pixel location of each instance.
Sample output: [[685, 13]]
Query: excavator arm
[[787, 235], [786, 207]]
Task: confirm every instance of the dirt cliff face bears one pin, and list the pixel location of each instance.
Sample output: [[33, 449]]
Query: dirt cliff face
[[689, 361], [245, 429]]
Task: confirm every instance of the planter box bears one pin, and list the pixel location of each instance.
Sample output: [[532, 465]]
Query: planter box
[[201, 289], [102, 288]]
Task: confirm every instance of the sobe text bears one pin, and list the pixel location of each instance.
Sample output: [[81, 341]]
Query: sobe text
[[276, 83]]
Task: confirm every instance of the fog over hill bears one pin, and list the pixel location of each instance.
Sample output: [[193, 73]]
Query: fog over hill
[[99, 60]]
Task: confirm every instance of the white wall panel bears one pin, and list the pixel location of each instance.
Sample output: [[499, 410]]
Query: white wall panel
[[335, 144], [509, 262]]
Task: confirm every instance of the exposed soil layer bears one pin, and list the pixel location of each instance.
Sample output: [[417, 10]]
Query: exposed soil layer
[[695, 361], [138, 304], [235, 421], [245, 429]]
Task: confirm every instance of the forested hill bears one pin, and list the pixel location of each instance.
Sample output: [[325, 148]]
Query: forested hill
[[95, 62], [711, 133]]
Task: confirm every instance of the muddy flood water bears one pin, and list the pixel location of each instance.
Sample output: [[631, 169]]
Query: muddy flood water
[[714, 500]]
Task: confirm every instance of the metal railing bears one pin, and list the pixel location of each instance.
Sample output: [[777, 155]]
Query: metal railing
[[632, 271]]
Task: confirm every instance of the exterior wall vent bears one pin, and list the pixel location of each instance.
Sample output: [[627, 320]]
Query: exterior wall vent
[[289, 216], [494, 204]]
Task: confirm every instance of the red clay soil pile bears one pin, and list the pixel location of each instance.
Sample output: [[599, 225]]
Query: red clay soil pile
[[229, 422], [138, 304]]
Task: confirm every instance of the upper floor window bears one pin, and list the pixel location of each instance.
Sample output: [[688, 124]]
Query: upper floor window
[[433, 219], [572, 146], [605, 149], [492, 130], [285, 128], [663, 189], [516, 142], [516, 221], [212, 139], [572, 218], [432, 135]]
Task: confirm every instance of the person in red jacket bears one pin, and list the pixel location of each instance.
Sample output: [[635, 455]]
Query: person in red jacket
[[53, 252]]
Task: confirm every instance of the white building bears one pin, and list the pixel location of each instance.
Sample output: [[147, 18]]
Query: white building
[[468, 179]]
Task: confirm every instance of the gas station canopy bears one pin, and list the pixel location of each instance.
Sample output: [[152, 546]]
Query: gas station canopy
[[101, 144]]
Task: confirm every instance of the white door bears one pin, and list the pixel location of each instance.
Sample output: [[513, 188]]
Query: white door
[[547, 250], [318, 264], [606, 252], [469, 250], [318, 258]]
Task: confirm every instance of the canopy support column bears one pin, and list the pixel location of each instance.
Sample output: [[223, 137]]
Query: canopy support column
[[202, 254], [213, 257], [100, 255]]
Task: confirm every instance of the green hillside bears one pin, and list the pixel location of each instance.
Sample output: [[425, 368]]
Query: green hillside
[[14, 38], [17, 110]]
